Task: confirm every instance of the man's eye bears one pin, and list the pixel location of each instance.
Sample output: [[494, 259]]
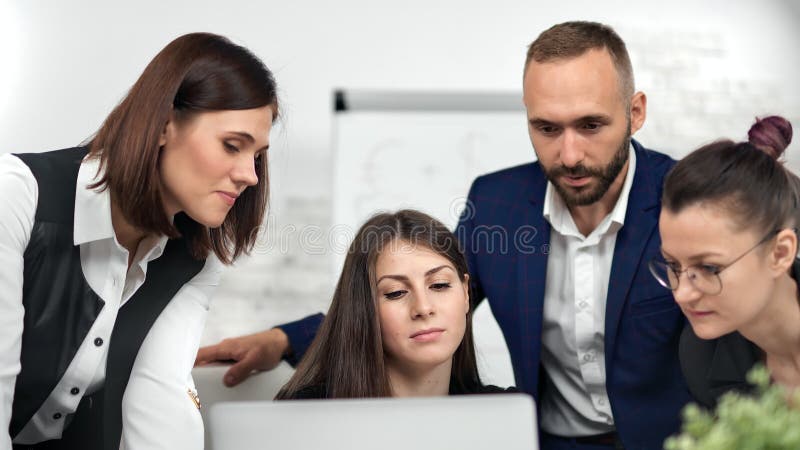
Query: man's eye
[[591, 126], [547, 129]]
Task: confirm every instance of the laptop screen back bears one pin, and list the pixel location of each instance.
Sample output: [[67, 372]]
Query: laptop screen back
[[470, 422]]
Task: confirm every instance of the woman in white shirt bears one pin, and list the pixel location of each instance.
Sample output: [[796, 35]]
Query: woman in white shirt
[[110, 252]]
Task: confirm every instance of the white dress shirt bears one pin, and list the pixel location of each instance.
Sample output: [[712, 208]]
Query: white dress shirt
[[157, 410], [573, 354]]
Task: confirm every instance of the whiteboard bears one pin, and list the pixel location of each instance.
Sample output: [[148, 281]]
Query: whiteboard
[[388, 157]]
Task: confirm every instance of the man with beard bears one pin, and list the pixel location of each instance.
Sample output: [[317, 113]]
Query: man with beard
[[591, 335]]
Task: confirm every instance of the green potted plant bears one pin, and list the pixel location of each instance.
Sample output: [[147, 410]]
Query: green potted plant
[[763, 420]]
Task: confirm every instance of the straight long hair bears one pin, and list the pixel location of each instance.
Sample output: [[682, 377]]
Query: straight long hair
[[347, 355]]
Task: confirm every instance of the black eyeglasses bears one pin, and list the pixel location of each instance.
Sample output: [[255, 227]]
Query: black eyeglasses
[[704, 277]]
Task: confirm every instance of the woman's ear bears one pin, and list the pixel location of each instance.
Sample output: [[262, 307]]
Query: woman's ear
[[168, 129], [465, 285], [784, 251]]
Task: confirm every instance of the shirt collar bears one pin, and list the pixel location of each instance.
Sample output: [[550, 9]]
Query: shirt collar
[[92, 206], [556, 212], [93, 211]]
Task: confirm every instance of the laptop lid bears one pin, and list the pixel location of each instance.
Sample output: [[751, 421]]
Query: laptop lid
[[466, 422]]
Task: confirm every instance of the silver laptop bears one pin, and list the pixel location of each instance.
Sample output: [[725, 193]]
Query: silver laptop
[[469, 422]]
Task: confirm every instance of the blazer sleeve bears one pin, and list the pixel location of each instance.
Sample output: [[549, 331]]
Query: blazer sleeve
[[465, 231], [301, 333]]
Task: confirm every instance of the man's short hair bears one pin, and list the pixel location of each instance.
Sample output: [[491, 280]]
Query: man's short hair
[[572, 39]]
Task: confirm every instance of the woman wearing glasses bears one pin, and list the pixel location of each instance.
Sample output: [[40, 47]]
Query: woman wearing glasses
[[729, 244]]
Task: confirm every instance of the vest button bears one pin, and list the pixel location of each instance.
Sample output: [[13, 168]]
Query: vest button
[[74, 391], [98, 342], [57, 416]]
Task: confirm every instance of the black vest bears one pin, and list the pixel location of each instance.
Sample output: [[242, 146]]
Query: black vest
[[60, 309]]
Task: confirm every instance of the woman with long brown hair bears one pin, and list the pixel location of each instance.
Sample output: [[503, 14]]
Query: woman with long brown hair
[[400, 322], [111, 250]]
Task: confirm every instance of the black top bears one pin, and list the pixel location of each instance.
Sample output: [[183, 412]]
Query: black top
[[714, 367], [320, 391]]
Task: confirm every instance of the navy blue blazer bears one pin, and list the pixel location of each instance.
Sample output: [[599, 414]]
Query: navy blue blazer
[[506, 241]]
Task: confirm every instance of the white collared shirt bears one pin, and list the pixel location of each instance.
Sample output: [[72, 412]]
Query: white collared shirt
[[573, 350], [157, 410]]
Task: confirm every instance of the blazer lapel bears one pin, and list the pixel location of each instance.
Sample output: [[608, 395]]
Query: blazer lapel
[[641, 220], [531, 276]]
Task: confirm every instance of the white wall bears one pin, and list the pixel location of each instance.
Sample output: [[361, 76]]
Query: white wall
[[709, 67]]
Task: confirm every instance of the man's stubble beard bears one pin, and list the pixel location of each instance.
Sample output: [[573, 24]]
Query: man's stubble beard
[[604, 176]]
